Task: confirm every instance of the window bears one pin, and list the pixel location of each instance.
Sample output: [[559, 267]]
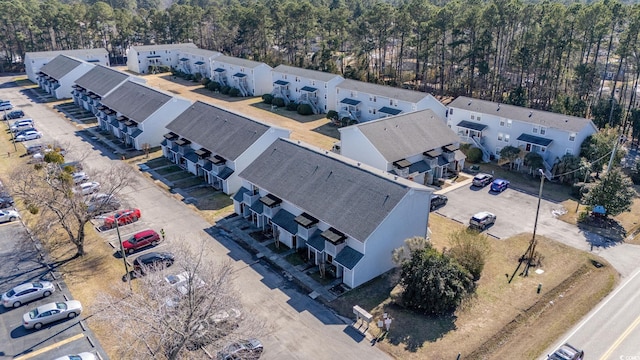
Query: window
[[543, 130], [501, 122], [568, 152], [473, 117], [535, 130], [498, 149], [478, 118], [354, 94], [329, 259], [284, 76], [507, 137], [500, 135], [325, 85], [313, 82], [451, 111], [297, 79], [414, 107], [572, 137], [325, 96], [508, 123]]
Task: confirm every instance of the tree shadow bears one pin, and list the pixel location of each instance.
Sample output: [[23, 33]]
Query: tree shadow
[[413, 330], [602, 232]]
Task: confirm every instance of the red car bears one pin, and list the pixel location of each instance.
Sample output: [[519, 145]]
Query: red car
[[124, 217], [140, 240]]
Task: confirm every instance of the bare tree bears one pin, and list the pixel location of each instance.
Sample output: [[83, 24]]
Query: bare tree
[[192, 318], [49, 191]]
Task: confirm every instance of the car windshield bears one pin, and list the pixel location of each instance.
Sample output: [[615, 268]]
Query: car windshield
[[37, 285], [133, 240], [172, 279], [61, 306], [10, 293], [476, 219], [33, 313]]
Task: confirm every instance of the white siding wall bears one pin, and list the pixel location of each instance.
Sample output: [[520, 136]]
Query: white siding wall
[[430, 102], [132, 61], [33, 66], [408, 219], [67, 81], [155, 125], [261, 80], [357, 147], [331, 93]]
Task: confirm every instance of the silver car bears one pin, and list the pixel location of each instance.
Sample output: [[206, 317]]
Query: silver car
[[29, 135], [26, 292], [81, 356], [51, 312], [8, 215]]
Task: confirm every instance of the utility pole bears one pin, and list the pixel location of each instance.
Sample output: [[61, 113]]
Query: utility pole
[[532, 246], [124, 257]]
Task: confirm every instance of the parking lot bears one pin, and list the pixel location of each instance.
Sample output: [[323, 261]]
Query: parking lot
[[22, 262]]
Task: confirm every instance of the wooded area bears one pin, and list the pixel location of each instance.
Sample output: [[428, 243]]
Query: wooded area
[[547, 55]]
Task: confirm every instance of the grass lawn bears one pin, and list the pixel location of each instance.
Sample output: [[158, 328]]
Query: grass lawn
[[188, 182], [502, 318], [295, 259], [315, 275], [169, 170], [157, 162], [282, 248], [178, 175], [213, 206]]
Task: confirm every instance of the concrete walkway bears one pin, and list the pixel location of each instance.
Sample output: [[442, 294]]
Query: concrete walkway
[[233, 228]]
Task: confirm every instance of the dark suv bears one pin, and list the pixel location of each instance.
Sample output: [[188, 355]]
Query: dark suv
[[437, 201], [153, 260], [15, 114]]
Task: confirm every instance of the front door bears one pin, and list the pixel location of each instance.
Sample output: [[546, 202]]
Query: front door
[[294, 242]]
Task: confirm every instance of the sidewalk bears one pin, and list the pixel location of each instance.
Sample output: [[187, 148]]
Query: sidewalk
[[231, 228]]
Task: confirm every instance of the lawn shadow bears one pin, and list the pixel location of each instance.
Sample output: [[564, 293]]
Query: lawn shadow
[[414, 330], [602, 233], [328, 129]]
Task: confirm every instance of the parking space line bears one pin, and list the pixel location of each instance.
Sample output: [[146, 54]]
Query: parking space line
[[50, 347]]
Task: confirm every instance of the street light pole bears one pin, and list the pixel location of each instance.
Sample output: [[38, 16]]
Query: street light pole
[[124, 258], [532, 246]]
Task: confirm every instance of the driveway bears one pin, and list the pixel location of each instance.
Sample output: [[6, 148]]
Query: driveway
[[516, 212], [298, 327]]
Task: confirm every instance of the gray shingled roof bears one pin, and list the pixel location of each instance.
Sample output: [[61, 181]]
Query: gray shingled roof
[[135, 101], [140, 48], [217, 130], [382, 90], [538, 117], [306, 73], [60, 66], [398, 137], [250, 64], [77, 53], [200, 52], [341, 194], [101, 80]]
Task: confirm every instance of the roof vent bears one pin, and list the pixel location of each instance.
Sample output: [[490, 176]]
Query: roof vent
[[469, 102], [530, 113], [358, 164]]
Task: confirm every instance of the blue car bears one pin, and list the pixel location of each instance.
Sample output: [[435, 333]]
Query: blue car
[[499, 185]]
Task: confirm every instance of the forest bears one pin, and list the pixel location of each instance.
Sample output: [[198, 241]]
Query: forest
[[577, 58]]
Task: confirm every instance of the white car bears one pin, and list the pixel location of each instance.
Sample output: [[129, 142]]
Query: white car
[[29, 135], [8, 215], [21, 125], [81, 356], [51, 312], [88, 187], [26, 292], [79, 177], [181, 282], [6, 106]]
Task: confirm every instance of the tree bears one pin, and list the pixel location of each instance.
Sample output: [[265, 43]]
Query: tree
[[614, 191], [534, 161], [469, 249], [510, 153], [201, 310], [596, 148], [49, 191], [433, 282], [603, 116]]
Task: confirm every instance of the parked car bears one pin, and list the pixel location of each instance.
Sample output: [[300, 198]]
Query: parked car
[[6, 106], [34, 149], [151, 261], [499, 185], [242, 349], [181, 281], [29, 135], [21, 125], [566, 352], [88, 187], [51, 312], [15, 114], [437, 201], [80, 356], [141, 239], [123, 217], [6, 200], [102, 203], [27, 292], [216, 326], [482, 220], [8, 215], [79, 177], [482, 180]]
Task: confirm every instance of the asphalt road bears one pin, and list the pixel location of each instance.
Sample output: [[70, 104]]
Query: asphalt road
[[297, 326], [21, 262], [612, 329]]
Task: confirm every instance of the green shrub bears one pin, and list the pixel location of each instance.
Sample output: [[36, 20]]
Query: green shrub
[[345, 121], [233, 92], [213, 86], [474, 155], [267, 99], [197, 77], [279, 102], [292, 106], [305, 109], [205, 81], [163, 68], [332, 115], [225, 89]]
